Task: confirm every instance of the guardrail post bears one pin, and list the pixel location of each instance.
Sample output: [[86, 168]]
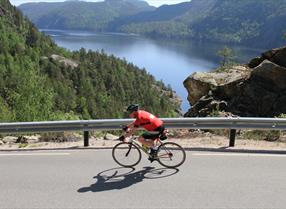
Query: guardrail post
[[86, 138], [232, 137]]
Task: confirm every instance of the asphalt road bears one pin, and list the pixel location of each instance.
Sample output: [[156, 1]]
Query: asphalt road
[[91, 179]]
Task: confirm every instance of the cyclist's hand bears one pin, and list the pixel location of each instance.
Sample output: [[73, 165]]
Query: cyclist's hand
[[126, 128], [121, 138]]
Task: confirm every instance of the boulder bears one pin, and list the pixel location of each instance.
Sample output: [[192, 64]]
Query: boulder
[[255, 62], [278, 105], [10, 139], [198, 85], [201, 84], [65, 61], [206, 106], [33, 139], [277, 56], [110, 137], [243, 91], [271, 73]]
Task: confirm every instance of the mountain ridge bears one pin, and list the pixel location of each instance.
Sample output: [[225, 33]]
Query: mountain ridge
[[80, 14], [249, 22]]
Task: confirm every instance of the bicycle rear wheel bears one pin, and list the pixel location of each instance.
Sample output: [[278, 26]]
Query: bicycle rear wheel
[[171, 155], [126, 154]]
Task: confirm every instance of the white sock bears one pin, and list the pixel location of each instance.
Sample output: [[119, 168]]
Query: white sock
[[154, 147]]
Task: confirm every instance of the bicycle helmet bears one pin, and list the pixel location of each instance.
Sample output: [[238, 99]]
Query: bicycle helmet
[[133, 107]]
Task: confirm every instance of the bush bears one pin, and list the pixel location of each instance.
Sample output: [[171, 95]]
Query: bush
[[272, 135], [60, 137]]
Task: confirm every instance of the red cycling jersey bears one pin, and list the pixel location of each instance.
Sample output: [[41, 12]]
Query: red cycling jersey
[[147, 121]]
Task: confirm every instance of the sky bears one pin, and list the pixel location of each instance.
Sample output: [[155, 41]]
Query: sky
[[155, 3]]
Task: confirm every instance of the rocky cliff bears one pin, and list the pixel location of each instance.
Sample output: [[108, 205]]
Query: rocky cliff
[[257, 89]]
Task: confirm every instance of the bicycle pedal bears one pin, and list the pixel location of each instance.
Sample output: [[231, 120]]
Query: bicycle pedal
[[151, 160]]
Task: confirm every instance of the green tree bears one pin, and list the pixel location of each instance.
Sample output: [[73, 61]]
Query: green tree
[[6, 114], [227, 55], [31, 100]]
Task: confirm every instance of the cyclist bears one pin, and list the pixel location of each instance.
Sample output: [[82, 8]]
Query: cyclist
[[154, 126]]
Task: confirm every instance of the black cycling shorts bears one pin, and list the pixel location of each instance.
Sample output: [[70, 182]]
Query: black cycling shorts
[[154, 134]]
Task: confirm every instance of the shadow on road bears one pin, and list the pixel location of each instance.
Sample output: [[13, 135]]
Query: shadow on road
[[120, 178]]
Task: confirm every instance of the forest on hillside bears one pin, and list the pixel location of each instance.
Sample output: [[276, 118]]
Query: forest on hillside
[[250, 22], [41, 81]]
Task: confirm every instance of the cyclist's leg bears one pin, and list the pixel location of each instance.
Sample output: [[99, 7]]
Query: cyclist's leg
[[149, 138], [147, 141], [162, 132]]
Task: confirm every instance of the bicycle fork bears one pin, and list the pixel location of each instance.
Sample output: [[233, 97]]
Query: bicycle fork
[[127, 153]]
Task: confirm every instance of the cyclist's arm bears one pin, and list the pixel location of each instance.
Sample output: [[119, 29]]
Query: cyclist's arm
[[130, 129], [131, 132]]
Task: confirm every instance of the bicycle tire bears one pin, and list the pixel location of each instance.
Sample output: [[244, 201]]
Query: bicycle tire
[[168, 151], [126, 154]]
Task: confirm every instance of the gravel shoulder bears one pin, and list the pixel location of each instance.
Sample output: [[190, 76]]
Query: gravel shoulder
[[207, 141]]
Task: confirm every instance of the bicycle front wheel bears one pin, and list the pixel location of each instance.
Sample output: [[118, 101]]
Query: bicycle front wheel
[[171, 155], [126, 154]]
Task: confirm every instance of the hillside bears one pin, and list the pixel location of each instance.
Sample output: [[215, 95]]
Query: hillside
[[258, 23], [80, 14], [41, 81]]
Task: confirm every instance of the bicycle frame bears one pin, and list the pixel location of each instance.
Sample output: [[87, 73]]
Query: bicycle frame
[[134, 141]]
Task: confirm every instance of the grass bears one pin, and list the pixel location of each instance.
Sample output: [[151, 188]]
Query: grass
[[271, 135], [23, 145]]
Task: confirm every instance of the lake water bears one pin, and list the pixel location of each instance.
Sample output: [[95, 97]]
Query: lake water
[[169, 61]]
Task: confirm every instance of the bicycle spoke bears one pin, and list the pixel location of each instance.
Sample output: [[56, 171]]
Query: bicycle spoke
[[167, 155], [171, 155], [126, 154]]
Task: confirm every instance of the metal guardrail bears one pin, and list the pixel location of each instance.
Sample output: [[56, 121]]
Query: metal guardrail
[[170, 123]]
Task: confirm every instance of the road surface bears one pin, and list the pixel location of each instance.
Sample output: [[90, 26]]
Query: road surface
[[91, 179]]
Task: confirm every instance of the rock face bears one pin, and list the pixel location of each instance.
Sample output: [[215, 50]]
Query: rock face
[[2, 11], [65, 61], [257, 89], [276, 56]]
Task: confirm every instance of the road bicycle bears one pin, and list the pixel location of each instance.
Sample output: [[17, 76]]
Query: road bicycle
[[128, 153]]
